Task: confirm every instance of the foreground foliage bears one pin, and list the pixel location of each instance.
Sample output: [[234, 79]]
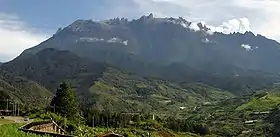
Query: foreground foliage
[[5, 121], [65, 102], [84, 131], [11, 130], [226, 117]]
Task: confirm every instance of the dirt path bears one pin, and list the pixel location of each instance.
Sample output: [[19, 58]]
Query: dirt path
[[18, 119]]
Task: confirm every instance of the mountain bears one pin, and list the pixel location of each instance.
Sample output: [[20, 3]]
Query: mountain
[[165, 41], [22, 90], [257, 115], [162, 66], [167, 49], [245, 82], [266, 100], [120, 91], [171, 49], [50, 67], [106, 87]]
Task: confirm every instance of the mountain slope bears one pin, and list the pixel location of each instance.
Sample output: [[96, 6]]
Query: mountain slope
[[257, 115], [119, 91], [164, 41], [106, 87], [230, 78], [50, 67], [168, 48], [266, 100], [21, 90]]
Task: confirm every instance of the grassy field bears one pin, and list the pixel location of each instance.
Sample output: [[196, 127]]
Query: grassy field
[[11, 130], [5, 121]]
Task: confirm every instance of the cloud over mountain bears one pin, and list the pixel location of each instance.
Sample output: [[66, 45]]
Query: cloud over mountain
[[258, 16], [16, 35], [229, 16]]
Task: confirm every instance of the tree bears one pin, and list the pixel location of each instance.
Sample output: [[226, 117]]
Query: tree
[[65, 102]]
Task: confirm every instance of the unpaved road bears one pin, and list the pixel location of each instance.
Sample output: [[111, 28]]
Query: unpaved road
[[18, 119]]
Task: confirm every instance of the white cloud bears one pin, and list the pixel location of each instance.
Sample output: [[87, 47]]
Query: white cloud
[[16, 35], [125, 42], [247, 47], [95, 39], [235, 25], [260, 16]]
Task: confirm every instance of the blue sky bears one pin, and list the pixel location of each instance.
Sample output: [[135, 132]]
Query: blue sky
[[49, 14], [26, 23]]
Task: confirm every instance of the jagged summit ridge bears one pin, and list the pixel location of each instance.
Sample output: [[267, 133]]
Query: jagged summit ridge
[[233, 26], [150, 19], [176, 39]]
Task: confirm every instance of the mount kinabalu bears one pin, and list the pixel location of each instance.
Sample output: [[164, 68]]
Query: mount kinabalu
[[103, 86], [170, 48], [164, 41]]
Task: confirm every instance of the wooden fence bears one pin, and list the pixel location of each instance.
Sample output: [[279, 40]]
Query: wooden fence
[[45, 128]]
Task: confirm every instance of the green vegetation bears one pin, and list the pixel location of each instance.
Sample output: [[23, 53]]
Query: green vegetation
[[84, 131], [264, 101], [125, 103], [5, 121], [102, 99], [273, 122], [257, 115], [65, 102], [123, 92], [135, 124], [23, 91], [50, 67], [11, 130]]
